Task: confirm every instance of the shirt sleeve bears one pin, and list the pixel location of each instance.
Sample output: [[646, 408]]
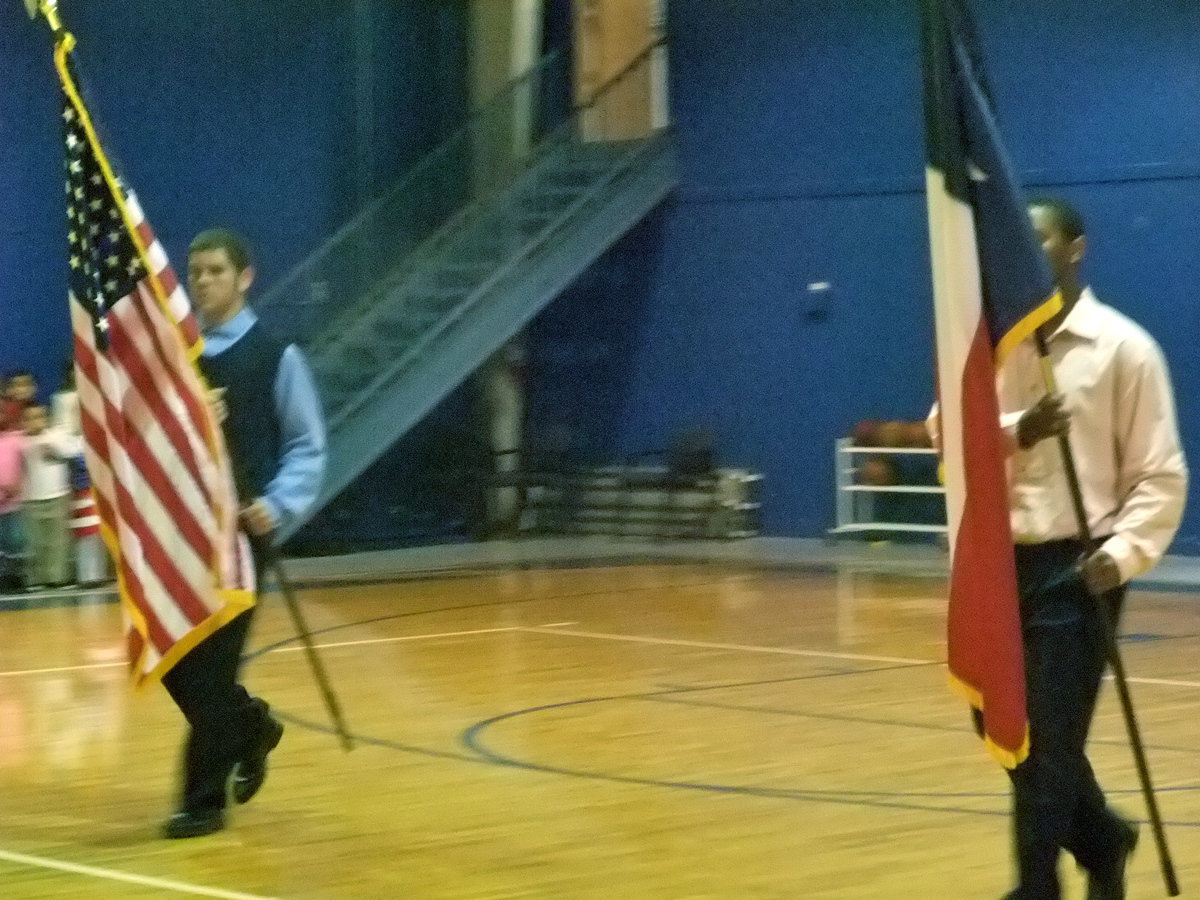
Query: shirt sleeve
[[65, 444], [1151, 470], [1008, 429], [303, 450], [933, 427]]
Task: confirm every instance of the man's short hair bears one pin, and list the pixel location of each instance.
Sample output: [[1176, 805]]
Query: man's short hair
[[235, 246], [1066, 217]]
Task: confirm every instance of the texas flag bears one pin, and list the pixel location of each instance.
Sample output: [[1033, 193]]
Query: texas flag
[[991, 289]]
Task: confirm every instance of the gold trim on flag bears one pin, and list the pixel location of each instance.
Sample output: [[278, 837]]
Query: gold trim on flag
[[1010, 759], [1028, 324]]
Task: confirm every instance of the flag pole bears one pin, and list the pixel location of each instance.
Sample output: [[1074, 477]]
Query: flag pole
[[271, 558], [1112, 651]]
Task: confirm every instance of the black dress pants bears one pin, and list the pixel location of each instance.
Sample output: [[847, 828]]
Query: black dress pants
[[224, 722], [1057, 803]]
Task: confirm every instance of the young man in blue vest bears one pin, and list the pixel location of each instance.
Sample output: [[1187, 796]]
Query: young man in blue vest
[[275, 434]]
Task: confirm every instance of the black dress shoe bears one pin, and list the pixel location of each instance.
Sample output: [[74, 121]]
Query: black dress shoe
[[251, 772], [1108, 883], [194, 824]]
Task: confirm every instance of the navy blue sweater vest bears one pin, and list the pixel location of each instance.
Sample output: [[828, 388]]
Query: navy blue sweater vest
[[247, 371]]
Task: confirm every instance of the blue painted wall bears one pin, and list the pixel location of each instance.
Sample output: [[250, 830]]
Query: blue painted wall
[[799, 130], [799, 135], [232, 113]]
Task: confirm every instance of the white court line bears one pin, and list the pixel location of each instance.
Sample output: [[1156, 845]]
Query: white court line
[[406, 637], [676, 642], [63, 669], [558, 628], [793, 652], [1167, 681], [423, 637], [178, 887]]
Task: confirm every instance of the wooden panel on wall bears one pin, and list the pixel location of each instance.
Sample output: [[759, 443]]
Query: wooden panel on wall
[[610, 34]]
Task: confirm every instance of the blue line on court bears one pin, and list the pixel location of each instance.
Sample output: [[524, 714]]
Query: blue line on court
[[472, 739]]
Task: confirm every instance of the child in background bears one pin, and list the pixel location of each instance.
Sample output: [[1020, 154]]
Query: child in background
[[20, 389], [10, 409], [46, 502], [12, 441]]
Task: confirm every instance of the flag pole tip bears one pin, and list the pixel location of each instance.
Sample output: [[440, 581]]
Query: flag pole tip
[[48, 9]]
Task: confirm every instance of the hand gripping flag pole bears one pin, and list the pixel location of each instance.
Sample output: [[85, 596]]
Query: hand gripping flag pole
[[1112, 651]]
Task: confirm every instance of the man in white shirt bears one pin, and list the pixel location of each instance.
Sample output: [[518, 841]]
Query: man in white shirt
[[1116, 404]]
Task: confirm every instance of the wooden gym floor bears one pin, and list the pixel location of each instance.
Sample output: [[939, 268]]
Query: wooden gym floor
[[637, 727]]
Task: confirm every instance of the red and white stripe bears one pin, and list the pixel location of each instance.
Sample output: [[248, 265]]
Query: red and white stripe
[[84, 520], [162, 488]]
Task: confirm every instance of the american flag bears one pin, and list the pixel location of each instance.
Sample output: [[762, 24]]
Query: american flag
[[156, 456]]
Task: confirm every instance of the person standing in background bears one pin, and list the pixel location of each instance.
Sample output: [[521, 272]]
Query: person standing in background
[[20, 390], [12, 442], [45, 506]]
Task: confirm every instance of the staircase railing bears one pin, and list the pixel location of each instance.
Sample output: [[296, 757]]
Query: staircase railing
[[501, 208], [599, 139], [353, 265]]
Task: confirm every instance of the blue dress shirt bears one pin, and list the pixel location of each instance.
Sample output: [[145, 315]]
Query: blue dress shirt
[[292, 491]]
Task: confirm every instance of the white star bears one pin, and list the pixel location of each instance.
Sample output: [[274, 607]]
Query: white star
[[111, 285], [93, 229], [74, 262], [96, 204], [75, 166], [78, 193], [111, 261], [134, 267], [72, 141], [102, 324], [96, 179], [69, 114]]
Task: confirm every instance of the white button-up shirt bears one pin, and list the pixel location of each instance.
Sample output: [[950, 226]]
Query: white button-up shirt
[[1123, 434], [46, 464]]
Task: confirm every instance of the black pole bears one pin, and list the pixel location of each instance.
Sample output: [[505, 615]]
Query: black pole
[[265, 550], [1112, 651], [314, 660]]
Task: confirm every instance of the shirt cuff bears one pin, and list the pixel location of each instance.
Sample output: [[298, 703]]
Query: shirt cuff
[[273, 510], [1008, 427], [1129, 561]]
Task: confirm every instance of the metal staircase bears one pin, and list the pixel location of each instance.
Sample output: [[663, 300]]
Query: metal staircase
[[408, 299]]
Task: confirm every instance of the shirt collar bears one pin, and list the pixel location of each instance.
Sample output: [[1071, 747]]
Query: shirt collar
[[1084, 318], [231, 329]]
